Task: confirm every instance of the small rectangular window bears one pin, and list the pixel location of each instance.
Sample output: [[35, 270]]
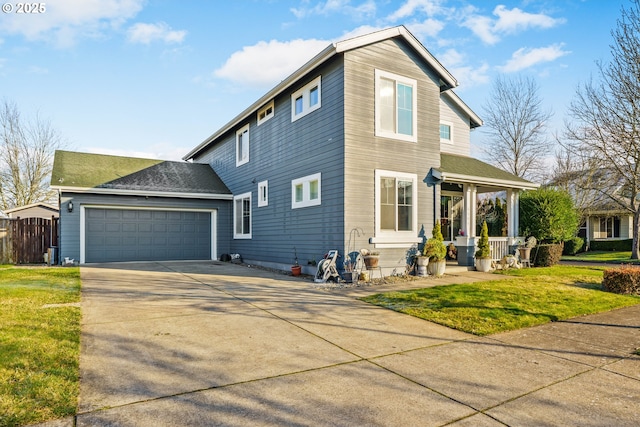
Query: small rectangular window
[[306, 191], [242, 146], [306, 99], [263, 193], [445, 133], [265, 113], [242, 216]]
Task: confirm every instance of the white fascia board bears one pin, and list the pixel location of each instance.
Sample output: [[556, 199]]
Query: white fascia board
[[402, 31], [314, 62], [144, 193], [448, 177]]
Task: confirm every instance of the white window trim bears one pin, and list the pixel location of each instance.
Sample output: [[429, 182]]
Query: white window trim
[[450, 140], [395, 239], [306, 201], [378, 128], [263, 185], [246, 235], [267, 116], [304, 92], [241, 131]]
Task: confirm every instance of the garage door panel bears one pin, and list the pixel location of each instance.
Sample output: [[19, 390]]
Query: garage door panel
[[146, 235]]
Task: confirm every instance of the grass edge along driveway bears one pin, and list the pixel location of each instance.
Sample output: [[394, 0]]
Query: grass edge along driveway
[[39, 343], [531, 297]]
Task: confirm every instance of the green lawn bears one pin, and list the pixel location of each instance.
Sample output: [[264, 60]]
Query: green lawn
[[39, 346], [532, 297], [603, 256]]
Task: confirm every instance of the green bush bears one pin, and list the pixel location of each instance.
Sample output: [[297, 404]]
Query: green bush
[[547, 255], [611, 245], [573, 245], [623, 280], [484, 249], [548, 214], [435, 248]]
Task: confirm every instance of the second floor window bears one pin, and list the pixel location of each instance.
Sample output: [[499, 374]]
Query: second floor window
[[306, 99], [242, 146], [396, 106], [445, 133]]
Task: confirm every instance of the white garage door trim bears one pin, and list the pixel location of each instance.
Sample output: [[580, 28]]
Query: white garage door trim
[[213, 212]]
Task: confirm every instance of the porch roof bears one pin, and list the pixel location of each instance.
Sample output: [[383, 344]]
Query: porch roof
[[462, 169]]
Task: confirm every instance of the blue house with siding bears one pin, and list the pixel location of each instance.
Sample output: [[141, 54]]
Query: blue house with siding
[[365, 146]]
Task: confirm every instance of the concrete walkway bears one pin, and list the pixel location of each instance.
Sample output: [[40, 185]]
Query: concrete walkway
[[166, 344]]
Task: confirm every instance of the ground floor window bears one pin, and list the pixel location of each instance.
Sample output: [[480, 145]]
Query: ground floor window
[[242, 216], [609, 227]]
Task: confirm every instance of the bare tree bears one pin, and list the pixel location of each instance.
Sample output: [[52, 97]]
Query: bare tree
[[26, 157], [605, 128], [516, 122]]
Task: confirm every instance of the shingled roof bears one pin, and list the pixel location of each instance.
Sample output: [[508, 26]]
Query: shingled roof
[[454, 167], [99, 173]]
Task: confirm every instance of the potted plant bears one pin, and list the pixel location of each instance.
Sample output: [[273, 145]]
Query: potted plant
[[296, 269], [483, 254], [525, 250], [371, 259], [350, 274], [436, 251]]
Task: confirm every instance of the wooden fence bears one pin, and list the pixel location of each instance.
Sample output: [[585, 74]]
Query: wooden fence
[[25, 241]]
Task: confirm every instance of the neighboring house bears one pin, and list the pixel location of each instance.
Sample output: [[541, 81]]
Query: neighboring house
[[365, 146], [34, 210]]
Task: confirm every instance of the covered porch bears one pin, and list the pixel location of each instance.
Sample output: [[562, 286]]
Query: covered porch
[[463, 181]]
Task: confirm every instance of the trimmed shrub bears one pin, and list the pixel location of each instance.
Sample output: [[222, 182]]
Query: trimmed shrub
[[573, 245], [547, 255], [611, 245], [548, 214], [623, 280]]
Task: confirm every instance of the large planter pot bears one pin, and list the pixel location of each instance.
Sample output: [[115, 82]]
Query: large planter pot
[[525, 253], [422, 262], [296, 270], [483, 264], [436, 268], [371, 261]]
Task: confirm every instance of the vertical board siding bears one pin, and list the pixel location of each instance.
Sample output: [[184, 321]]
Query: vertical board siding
[[279, 152], [364, 152]]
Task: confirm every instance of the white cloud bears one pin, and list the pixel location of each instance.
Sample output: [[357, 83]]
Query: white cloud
[[266, 63], [508, 21], [66, 20], [410, 7], [466, 75], [526, 57], [365, 9], [428, 28], [147, 33]]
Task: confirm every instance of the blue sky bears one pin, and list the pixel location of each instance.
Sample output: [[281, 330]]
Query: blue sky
[[155, 78]]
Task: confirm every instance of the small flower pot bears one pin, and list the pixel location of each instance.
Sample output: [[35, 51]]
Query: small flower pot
[[483, 264], [296, 270], [371, 261]]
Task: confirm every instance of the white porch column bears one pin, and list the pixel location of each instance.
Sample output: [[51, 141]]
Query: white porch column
[[469, 209], [513, 212]]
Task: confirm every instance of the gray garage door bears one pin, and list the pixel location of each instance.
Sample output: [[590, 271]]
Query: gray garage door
[[146, 235]]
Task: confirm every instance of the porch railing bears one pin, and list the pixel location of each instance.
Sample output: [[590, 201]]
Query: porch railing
[[499, 247]]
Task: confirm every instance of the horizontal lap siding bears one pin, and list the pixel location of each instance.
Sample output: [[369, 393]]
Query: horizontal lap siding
[[461, 131], [280, 151], [364, 152]]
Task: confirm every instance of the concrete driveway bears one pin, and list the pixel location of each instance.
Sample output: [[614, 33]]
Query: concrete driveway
[[184, 343]]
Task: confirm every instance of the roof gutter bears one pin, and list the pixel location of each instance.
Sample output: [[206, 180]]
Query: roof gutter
[[164, 194], [448, 177]]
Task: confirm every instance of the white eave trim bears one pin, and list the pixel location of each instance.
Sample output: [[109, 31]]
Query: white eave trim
[[454, 177], [114, 192]]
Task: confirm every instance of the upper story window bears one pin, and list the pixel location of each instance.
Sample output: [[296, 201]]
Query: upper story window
[[305, 191], [396, 106], [265, 113], [263, 193], [306, 99], [446, 132], [242, 216], [242, 146]]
